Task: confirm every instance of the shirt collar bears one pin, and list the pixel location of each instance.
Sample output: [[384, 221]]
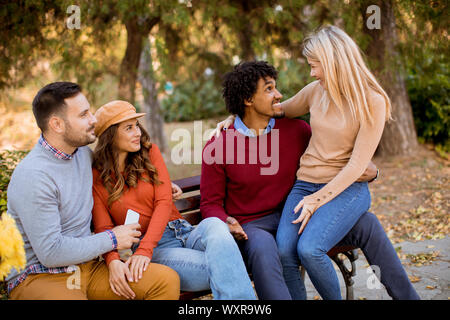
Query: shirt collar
[[242, 128], [57, 153]]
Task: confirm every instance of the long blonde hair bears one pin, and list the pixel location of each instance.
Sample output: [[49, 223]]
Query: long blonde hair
[[347, 78]]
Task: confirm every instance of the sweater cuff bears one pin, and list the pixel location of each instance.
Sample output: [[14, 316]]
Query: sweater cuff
[[113, 239], [144, 252], [320, 198], [111, 256]]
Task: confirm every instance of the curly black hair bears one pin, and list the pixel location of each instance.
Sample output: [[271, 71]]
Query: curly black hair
[[241, 84]]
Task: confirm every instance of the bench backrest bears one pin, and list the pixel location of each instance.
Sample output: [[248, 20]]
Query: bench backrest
[[189, 205]]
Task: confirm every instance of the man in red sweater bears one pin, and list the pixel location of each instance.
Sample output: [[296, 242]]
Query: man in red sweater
[[248, 172]]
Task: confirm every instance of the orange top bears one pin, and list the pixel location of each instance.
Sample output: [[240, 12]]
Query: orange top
[[153, 203]]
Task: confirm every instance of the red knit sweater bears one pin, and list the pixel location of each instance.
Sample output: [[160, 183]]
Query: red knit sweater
[[250, 177]]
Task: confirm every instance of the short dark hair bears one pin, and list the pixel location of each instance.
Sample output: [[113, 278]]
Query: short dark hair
[[241, 84], [50, 100]]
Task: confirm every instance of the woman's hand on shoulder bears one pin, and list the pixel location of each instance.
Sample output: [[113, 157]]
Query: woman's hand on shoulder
[[225, 124]]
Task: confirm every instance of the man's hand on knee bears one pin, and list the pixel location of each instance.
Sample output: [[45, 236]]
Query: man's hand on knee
[[236, 229]]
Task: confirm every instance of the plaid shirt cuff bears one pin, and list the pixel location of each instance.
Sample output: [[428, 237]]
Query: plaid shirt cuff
[[113, 238]]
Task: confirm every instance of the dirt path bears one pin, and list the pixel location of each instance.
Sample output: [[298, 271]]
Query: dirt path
[[412, 196]]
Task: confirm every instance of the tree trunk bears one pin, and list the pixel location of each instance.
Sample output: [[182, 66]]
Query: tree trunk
[[130, 62], [245, 32], [399, 136], [153, 118], [137, 30], [245, 40]]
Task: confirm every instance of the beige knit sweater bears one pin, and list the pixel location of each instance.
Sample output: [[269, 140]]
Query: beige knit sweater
[[339, 151]]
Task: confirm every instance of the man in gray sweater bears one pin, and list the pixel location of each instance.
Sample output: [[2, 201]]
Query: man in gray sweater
[[50, 197]]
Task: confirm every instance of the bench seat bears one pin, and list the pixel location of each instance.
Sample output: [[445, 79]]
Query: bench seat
[[189, 207]]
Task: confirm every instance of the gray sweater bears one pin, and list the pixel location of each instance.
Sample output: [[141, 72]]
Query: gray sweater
[[51, 201]]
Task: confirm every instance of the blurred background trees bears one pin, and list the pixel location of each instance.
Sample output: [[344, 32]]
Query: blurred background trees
[[168, 56]]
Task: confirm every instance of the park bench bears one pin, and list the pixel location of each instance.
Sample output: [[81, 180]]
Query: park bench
[[189, 207]]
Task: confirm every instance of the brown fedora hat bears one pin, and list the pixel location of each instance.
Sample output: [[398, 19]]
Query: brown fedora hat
[[114, 112]]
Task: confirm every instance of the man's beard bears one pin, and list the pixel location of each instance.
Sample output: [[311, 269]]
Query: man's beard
[[279, 115], [75, 139]]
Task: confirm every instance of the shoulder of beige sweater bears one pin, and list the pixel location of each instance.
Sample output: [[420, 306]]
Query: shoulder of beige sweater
[[377, 105], [314, 87], [311, 90], [375, 99]]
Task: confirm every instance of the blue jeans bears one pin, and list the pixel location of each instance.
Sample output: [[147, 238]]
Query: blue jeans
[[205, 257], [327, 226], [368, 234], [263, 260]]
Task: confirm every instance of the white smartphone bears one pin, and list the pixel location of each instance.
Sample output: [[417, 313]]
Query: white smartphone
[[132, 217]]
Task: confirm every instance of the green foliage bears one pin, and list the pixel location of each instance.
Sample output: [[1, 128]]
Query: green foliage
[[293, 75], [3, 294], [428, 88], [202, 98], [192, 100], [212, 33], [8, 161], [25, 38], [425, 48]]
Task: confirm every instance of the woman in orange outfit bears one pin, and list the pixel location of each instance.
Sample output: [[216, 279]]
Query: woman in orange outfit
[[130, 174]]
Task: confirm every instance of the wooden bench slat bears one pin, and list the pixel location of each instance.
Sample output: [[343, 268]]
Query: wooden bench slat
[[189, 184], [187, 204], [193, 218]]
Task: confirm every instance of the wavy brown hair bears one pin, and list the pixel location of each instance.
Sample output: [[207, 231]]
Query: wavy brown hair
[[137, 164]]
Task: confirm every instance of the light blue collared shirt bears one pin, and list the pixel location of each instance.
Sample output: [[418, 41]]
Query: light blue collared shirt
[[242, 128]]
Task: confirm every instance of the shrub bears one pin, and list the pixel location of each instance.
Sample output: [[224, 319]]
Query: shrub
[[429, 91], [202, 98], [8, 161], [193, 100]]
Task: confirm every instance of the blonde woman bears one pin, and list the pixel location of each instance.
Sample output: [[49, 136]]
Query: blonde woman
[[348, 110]]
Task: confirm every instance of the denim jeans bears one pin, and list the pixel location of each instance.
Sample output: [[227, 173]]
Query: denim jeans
[[205, 257], [368, 234], [327, 226], [260, 252]]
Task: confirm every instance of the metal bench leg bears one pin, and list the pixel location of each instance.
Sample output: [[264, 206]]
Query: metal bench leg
[[347, 274]]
